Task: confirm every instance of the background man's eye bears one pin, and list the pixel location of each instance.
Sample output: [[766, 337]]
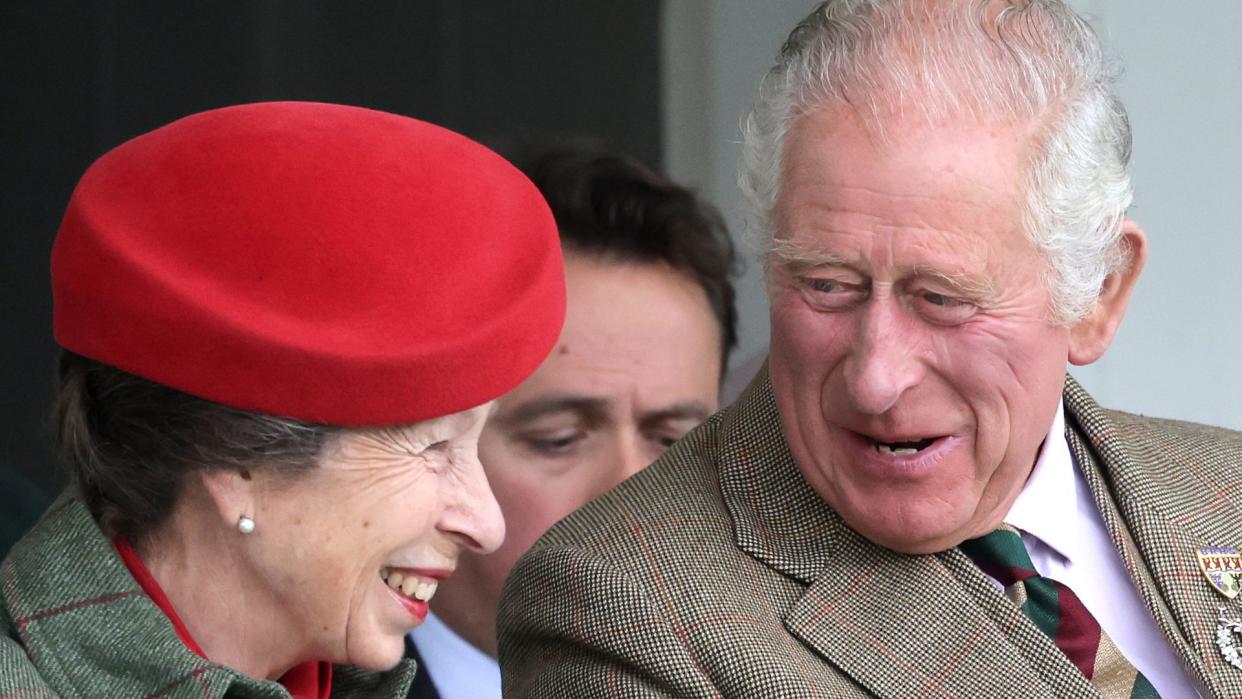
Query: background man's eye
[[555, 444], [664, 441]]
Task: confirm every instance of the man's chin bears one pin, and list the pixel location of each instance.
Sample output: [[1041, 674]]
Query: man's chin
[[911, 537]]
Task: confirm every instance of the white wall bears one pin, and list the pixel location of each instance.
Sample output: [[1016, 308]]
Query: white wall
[[1179, 353]]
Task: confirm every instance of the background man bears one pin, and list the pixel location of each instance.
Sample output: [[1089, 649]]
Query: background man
[[651, 321], [941, 189]]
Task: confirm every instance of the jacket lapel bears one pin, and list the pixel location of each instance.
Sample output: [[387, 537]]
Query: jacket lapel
[[1160, 511], [933, 626], [899, 625]]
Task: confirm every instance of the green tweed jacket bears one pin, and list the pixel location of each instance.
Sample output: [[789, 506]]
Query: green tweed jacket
[[74, 623], [719, 572]]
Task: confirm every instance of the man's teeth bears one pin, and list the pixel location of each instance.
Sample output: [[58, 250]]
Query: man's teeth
[[902, 448], [412, 586]]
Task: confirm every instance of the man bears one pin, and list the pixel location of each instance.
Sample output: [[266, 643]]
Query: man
[[650, 324], [914, 500]]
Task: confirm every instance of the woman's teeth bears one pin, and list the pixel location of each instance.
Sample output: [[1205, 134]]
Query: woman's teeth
[[411, 586]]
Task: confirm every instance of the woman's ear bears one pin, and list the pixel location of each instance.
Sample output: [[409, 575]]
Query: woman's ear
[[1091, 336], [232, 492]]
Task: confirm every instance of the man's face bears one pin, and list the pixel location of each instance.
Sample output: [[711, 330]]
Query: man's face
[[913, 359], [637, 366]]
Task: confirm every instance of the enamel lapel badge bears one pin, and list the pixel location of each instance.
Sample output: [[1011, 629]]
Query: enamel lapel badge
[[1223, 567]]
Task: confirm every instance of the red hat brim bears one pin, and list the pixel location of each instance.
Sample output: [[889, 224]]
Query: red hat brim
[[329, 263]]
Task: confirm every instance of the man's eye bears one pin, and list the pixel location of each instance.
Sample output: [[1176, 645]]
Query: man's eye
[[827, 294], [944, 309], [554, 444], [942, 300], [823, 285], [664, 440]]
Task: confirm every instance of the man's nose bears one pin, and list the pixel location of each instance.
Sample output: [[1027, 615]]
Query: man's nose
[[632, 456], [472, 516], [627, 453], [883, 362]]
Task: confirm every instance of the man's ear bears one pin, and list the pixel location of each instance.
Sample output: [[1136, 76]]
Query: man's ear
[[231, 491], [1092, 335]]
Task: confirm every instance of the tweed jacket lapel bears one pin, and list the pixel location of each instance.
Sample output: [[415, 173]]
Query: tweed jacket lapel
[[89, 630], [899, 625], [1160, 507]]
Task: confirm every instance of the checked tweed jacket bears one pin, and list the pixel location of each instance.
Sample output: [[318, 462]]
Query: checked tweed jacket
[[719, 572], [74, 623]]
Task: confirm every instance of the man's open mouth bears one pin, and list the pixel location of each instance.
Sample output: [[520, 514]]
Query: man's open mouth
[[901, 448]]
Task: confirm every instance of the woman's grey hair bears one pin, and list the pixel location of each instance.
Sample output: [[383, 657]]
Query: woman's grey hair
[[1024, 61], [129, 444]]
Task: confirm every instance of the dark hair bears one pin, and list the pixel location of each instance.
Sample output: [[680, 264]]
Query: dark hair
[[611, 207], [128, 443]]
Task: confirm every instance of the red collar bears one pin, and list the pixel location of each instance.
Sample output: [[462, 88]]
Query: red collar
[[310, 680]]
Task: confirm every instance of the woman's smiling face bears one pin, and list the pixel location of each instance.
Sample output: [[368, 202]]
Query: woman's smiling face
[[353, 549]]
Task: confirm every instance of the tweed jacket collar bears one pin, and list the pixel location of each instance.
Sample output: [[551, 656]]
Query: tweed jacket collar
[[89, 630], [890, 621]]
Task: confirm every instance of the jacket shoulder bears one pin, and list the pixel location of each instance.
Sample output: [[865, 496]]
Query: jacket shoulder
[[1179, 468], [660, 497], [602, 604], [18, 675], [1205, 448], [1159, 430]]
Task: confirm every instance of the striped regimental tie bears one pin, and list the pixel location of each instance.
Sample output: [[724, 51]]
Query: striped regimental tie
[[1057, 611]]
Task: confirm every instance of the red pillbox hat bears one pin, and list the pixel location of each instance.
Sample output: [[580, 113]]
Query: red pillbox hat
[[328, 263]]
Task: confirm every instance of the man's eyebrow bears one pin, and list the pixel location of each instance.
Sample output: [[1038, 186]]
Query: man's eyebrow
[[977, 289], [796, 258], [688, 410], [590, 407]]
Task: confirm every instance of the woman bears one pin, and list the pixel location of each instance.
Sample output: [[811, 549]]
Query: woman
[[283, 326]]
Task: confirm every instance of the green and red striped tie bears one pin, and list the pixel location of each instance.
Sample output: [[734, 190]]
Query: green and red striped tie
[[1058, 612]]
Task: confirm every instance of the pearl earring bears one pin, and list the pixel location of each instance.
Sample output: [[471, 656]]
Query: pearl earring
[[245, 525]]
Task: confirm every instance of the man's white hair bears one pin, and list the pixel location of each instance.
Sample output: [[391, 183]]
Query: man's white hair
[[1025, 61]]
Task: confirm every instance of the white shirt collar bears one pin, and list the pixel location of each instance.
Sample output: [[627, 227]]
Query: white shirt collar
[[457, 668], [1051, 485]]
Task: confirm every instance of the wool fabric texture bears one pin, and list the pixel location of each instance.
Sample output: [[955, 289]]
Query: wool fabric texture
[[328, 263], [719, 572]]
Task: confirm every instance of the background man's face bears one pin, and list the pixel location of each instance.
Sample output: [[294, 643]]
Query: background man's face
[[913, 360], [637, 366]]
